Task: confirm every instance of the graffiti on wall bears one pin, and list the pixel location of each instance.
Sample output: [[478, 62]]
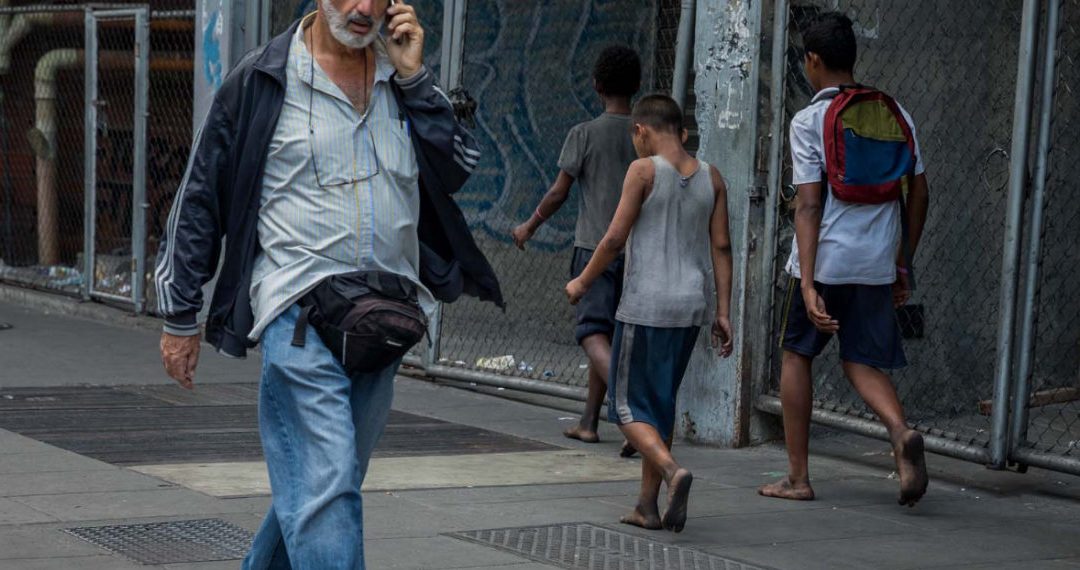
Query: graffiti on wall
[[529, 65], [212, 66], [212, 56]]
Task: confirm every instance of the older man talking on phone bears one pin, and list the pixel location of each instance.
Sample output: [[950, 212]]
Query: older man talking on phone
[[327, 153]]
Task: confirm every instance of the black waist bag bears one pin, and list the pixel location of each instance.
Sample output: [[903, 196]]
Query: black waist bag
[[368, 319]]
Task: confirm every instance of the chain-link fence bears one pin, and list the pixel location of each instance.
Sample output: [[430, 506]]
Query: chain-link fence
[[44, 132], [959, 83], [41, 133], [1050, 424], [529, 66]]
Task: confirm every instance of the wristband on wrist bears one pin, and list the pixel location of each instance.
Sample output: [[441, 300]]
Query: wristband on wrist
[[901, 270], [539, 215]]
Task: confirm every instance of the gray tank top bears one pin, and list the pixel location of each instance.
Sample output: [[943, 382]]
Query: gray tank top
[[668, 262]]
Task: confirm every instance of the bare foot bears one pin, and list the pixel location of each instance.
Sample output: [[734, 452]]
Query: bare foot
[[678, 497], [627, 449], [911, 464], [581, 434], [785, 489], [647, 517]]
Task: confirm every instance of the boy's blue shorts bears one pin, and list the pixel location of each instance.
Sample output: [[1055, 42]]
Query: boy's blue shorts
[[647, 368], [869, 333], [596, 310]]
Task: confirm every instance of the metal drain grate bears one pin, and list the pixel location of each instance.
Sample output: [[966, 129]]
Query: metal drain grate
[[583, 546], [202, 540]]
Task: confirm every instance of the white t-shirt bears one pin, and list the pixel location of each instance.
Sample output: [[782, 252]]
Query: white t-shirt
[[858, 243]]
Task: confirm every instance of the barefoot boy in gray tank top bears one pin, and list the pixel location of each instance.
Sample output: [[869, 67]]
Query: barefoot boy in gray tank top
[[672, 219]]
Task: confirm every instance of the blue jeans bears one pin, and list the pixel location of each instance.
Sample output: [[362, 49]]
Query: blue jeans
[[318, 429]]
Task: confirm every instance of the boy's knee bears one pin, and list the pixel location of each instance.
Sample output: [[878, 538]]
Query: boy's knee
[[853, 369], [791, 357]]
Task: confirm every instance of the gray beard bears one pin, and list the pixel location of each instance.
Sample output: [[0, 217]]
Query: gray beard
[[339, 28]]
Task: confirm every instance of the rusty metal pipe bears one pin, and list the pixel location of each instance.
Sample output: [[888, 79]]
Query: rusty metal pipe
[[43, 136]]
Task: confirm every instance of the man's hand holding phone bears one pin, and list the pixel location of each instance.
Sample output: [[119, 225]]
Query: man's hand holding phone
[[406, 40]]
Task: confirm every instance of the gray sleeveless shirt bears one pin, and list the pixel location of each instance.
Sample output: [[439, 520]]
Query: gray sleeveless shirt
[[668, 262]]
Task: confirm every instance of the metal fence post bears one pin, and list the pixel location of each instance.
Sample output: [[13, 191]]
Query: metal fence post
[[433, 349], [777, 87], [1018, 431], [447, 46], [90, 55], [139, 204], [684, 51], [761, 266], [1010, 262], [457, 53], [453, 43]]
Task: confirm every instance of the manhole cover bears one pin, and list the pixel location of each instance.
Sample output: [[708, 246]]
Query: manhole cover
[[203, 540], [589, 547]]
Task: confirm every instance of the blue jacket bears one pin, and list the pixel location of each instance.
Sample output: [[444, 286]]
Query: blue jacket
[[218, 200]]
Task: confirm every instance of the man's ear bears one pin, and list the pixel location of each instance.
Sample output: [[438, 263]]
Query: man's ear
[[813, 60], [685, 136]]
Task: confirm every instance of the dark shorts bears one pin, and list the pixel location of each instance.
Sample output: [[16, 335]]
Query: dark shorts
[[869, 333], [647, 368], [596, 310]]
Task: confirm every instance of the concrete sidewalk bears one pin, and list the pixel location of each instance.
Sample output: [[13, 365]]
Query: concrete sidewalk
[[971, 518]]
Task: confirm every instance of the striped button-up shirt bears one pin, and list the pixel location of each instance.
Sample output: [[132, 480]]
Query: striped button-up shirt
[[340, 189]]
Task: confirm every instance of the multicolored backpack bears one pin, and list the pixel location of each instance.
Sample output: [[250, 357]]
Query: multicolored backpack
[[870, 153], [869, 146]]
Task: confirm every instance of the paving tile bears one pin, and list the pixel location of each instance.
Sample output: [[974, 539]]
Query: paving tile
[[125, 505], [47, 460], [539, 512], [434, 553], [102, 562], [789, 526], [60, 482], [12, 442], [41, 541], [12, 512], [219, 565], [426, 472], [522, 493], [1059, 564], [907, 551], [524, 566], [389, 516], [935, 514], [249, 505]]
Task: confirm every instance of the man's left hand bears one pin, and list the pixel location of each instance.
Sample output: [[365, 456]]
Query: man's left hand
[[406, 43], [722, 338], [901, 290]]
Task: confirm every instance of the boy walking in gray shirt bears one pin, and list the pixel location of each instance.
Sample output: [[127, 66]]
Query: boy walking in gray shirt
[[672, 219], [596, 155]]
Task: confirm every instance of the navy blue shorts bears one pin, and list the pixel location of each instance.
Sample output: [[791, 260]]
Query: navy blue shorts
[[647, 368], [596, 310], [869, 333]]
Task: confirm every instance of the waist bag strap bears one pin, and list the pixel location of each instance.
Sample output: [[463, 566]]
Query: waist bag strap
[[300, 332]]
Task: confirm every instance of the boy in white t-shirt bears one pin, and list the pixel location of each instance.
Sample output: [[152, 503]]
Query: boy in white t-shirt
[[847, 278]]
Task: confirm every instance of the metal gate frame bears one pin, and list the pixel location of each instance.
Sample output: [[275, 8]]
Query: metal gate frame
[[1017, 452], [1009, 409], [93, 16]]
